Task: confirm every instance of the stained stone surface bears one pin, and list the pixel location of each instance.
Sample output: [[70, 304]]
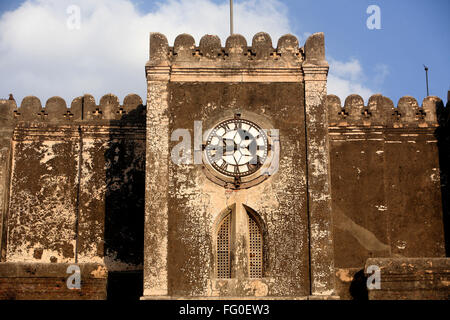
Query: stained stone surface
[[93, 184]]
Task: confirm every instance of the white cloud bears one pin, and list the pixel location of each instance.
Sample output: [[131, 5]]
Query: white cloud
[[381, 72], [351, 69], [40, 55], [348, 77]]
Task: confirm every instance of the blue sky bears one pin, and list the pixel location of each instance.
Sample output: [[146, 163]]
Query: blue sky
[[414, 32], [108, 53]]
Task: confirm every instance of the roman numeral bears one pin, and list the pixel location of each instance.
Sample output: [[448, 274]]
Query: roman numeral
[[224, 165]]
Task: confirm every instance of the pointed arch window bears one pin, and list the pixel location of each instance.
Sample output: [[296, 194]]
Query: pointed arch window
[[239, 258], [255, 250], [223, 248]]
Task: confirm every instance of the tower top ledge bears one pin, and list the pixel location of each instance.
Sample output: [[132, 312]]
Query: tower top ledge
[[236, 53]]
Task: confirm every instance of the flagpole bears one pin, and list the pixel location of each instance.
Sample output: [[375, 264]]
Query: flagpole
[[231, 18], [426, 74]]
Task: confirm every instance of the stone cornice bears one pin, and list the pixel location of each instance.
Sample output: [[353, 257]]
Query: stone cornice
[[223, 74]]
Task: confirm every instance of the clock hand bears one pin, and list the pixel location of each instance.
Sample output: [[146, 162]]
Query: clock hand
[[228, 143]]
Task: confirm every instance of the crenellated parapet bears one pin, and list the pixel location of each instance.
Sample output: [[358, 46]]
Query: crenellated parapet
[[236, 49], [236, 61], [380, 111], [83, 108], [7, 108]]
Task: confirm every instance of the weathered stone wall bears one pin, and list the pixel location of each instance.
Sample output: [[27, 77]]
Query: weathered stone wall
[[7, 108], [411, 278], [48, 281], [42, 213], [195, 202], [385, 182], [73, 180], [443, 136], [77, 182]]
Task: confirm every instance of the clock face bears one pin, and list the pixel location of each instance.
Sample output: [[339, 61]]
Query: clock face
[[237, 148]]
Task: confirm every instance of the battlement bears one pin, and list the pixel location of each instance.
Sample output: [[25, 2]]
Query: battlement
[[236, 54], [6, 109], [82, 108], [380, 111]]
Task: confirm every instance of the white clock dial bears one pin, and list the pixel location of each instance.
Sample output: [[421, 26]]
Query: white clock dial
[[237, 148]]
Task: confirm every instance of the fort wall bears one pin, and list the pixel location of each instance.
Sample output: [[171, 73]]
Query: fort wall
[[386, 184], [73, 182]]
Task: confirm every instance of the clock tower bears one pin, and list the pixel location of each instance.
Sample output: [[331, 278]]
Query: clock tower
[[237, 170]]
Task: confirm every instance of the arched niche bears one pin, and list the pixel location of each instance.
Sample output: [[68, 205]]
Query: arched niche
[[232, 257]]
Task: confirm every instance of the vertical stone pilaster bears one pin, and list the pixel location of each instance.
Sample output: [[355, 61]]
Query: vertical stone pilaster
[[240, 220], [319, 194], [6, 131], [157, 171], [157, 183]]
